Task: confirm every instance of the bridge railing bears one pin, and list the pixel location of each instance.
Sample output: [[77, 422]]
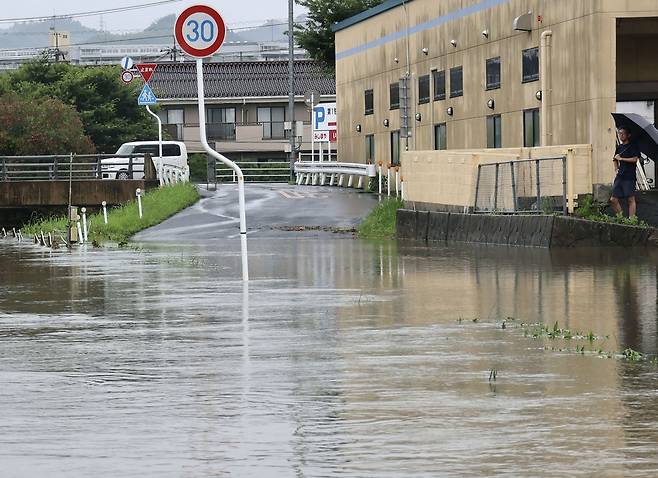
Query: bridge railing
[[85, 167], [255, 171], [317, 172]]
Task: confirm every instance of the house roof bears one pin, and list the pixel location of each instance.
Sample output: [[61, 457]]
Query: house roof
[[371, 12], [240, 79]]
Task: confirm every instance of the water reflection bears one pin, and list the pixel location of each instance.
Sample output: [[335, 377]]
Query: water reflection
[[340, 358]]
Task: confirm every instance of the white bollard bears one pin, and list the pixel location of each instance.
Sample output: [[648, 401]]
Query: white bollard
[[84, 223], [138, 193], [380, 179], [81, 238], [402, 188], [388, 182], [397, 183], [104, 204]]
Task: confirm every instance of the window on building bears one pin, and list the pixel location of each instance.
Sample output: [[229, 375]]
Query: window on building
[[424, 89], [370, 149], [494, 134], [456, 82], [493, 73], [221, 123], [370, 102], [439, 80], [272, 119], [394, 95], [440, 142], [531, 130], [173, 120], [395, 148], [530, 65]]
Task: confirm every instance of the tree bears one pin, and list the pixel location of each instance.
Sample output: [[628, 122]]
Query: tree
[[47, 126], [316, 36], [108, 108]]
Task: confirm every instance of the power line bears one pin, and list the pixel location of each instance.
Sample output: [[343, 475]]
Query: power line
[[89, 13]]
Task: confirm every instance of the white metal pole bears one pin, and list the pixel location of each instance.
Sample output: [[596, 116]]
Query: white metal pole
[[225, 160], [380, 179], [312, 127], [329, 150], [160, 162], [104, 203], [85, 232], [81, 238], [388, 181], [138, 193]]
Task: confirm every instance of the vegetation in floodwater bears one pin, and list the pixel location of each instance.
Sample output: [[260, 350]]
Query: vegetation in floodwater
[[380, 224], [493, 375], [560, 336], [124, 221]]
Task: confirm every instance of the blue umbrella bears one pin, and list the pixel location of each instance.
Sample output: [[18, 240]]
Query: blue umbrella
[[643, 133]]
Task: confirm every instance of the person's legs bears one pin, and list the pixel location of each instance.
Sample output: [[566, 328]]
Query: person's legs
[[632, 206], [616, 207]]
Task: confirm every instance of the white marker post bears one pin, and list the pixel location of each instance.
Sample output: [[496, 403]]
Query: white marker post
[[138, 193], [200, 31], [159, 143], [104, 204], [85, 232]]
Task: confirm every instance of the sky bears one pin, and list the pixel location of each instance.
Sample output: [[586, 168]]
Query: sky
[[241, 13]]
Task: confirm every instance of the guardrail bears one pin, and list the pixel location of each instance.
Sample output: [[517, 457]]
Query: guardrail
[[317, 172], [85, 167]]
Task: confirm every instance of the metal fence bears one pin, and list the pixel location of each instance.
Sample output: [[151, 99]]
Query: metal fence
[[64, 167], [254, 171], [527, 186]]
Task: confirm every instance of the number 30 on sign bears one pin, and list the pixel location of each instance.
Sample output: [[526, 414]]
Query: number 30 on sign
[[200, 31]]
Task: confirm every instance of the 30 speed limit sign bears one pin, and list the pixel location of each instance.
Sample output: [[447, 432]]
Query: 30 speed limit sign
[[200, 31]]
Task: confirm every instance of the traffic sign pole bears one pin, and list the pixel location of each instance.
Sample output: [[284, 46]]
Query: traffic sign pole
[[200, 32], [160, 162]]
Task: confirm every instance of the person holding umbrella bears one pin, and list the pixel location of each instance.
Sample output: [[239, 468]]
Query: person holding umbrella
[[637, 136], [626, 157]]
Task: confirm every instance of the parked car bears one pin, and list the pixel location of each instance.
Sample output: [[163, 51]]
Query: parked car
[[174, 154]]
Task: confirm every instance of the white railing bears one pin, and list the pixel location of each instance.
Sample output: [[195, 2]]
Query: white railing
[[317, 172], [171, 174]]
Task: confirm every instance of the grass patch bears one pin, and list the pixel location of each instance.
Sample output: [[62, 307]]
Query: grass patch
[[592, 211], [123, 221], [380, 224]]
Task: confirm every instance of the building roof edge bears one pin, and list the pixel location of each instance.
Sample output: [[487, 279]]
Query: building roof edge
[[374, 11]]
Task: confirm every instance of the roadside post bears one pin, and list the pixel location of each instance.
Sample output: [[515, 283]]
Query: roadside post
[[104, 204], [138, 193], [200, 32], [85, 232]]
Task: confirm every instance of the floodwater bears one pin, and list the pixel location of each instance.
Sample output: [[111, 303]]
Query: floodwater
[[342, 358]]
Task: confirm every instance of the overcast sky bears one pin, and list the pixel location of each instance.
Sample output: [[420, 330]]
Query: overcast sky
[[238, 13]]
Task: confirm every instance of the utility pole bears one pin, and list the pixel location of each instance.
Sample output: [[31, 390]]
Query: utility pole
[[291, 86]]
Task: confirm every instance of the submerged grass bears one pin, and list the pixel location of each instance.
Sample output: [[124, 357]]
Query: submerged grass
[[123, 221], [380, 224]]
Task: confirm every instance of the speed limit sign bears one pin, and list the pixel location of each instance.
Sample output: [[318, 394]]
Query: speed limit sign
[[200, 31]]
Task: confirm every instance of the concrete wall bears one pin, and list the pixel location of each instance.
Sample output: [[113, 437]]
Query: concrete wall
[[582, 71], [532, 231], [448, 178]]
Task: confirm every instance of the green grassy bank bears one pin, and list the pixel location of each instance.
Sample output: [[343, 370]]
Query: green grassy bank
[[380, 224], [123, 221]]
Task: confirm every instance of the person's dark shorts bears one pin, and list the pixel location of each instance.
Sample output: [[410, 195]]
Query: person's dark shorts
[[623, 188]]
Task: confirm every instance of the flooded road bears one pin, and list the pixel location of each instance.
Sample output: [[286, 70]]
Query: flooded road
[[342, 358]]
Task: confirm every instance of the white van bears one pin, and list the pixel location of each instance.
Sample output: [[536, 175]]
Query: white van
[[174, 156]]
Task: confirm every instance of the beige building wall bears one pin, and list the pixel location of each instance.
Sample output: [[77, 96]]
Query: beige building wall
[[582, 72]]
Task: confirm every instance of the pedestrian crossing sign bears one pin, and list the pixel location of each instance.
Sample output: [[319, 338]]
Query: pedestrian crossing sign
[[147, 97]]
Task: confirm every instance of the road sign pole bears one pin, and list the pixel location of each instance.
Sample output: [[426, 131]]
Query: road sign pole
[[160, 162], [223, 159]]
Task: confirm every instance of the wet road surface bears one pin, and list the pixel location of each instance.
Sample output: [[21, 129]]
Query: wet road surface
[[342, 358]]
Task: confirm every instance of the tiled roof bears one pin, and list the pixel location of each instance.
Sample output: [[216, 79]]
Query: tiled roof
[[240, 79]]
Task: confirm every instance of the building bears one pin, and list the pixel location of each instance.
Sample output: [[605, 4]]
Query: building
[[247, 105], [494, 74]]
